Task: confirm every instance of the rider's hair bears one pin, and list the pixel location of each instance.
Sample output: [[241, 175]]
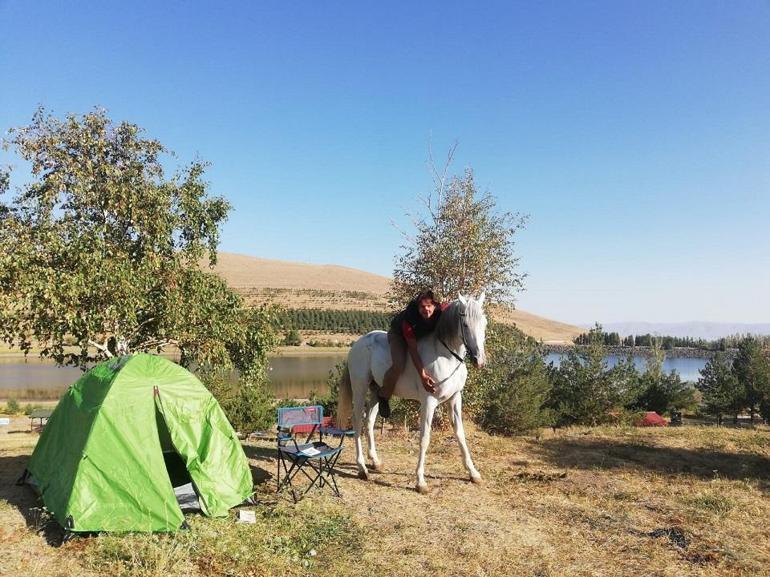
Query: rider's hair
[[426, 294]]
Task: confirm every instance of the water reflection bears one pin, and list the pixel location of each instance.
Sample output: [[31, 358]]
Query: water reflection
[[293, 377], [297, 377]]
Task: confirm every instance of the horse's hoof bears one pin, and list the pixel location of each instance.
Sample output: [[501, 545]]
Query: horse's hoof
[[476, 479], [363, 475], [377, 467], [422, 489]]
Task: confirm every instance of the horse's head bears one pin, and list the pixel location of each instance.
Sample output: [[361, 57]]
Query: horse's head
[[473, 327]]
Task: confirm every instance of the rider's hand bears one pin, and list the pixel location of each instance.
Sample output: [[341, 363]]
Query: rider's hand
[[427, 381]]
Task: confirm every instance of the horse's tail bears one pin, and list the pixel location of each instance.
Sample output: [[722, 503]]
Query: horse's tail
[[344, 399]]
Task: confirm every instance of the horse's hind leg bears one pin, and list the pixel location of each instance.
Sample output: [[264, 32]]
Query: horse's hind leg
[[427, 408], [359, 405], [371, 419], [456, 412]]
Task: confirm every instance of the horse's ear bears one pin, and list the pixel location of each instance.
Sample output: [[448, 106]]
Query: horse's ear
[[481, 298], [462, 299]]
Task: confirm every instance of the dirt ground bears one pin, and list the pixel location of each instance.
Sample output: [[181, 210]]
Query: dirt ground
[[580, 502]]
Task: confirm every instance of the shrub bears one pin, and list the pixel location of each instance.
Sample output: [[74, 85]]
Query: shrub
[[664, 392], [660, 391], [249, 406], [586, 391], [407, 413], [12, 406], [516, 403], [509, 395], [329, 400], [29, 407], [292, 338]]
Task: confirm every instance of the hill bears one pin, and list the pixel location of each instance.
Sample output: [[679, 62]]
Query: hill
[[333, 287]]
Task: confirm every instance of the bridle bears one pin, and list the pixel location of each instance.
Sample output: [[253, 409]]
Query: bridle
[[463, 340]]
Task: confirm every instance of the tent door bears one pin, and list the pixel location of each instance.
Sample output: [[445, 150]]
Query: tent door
[[184, 488]]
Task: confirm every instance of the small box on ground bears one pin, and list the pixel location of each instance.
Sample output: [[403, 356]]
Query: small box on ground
[[247, 516]]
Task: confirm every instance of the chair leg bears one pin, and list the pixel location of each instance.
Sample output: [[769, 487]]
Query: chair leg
[[319, 471]]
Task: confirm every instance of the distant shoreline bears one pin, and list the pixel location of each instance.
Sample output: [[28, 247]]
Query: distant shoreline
[[675, 353], [285, 351]]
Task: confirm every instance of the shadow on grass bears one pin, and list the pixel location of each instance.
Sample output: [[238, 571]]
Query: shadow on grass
[[24, 498], [345, 470], [271, 454], [617, 454], [260, 475]]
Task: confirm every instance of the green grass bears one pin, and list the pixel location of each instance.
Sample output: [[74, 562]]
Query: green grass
[[712, 503], [285, 540]]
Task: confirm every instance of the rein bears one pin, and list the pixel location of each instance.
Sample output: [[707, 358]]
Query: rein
[[454, 354], [460, 364], [460, 359]]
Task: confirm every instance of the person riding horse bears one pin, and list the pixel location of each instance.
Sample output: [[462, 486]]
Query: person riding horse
[[417, 320], [460, 330]]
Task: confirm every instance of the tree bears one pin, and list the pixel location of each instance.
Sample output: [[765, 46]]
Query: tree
[[722, 393], [101, 249], [462, 245], [752, 369], [509, 395], [100, 253], [664, 392], [658, 391], [585, 389]]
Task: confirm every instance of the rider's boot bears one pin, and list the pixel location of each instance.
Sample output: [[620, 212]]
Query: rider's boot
[[383, 395], [384, 405]]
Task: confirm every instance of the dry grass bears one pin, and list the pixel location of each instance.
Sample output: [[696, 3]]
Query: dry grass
[[537, 327], [242, 271], [580, 502]]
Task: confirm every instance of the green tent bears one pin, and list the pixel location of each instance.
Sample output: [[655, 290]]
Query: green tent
[[124, 436]]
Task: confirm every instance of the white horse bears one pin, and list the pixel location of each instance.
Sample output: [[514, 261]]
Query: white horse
[[460, 329]]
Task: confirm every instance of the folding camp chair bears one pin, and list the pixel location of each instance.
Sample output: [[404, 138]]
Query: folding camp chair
[[314, 459]]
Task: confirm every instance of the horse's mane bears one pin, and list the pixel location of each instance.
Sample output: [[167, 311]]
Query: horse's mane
[[448, 324]]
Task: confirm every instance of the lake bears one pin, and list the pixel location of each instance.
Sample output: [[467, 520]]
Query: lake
[[291, 376], [687, 367]]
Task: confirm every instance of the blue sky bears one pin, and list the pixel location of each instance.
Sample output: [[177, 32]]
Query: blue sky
[[636, 135]]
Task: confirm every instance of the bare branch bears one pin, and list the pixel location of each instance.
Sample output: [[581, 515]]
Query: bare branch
[[139, 328], [439, 180], [155, 343], [102, 348]]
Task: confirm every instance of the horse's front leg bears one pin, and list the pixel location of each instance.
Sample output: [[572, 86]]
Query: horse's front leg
[[456, 413], [427, 409]]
